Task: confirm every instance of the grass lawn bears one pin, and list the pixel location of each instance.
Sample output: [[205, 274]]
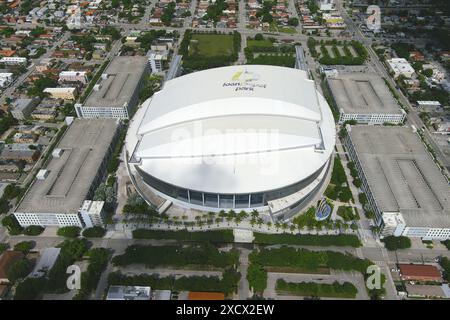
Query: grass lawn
[[259, 43], [275, 28], [289, 30], [210, 45]]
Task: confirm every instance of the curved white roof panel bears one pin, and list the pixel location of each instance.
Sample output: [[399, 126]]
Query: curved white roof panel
[[239, 129]]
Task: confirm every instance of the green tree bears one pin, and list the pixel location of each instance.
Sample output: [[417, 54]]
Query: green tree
[[395, 243], [30, 289], [293, 22], [19, 270], [10, 222], [69, 232], [24, 246], [257, 277]]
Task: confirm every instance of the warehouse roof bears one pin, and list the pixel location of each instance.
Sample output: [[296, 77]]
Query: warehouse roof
[[402, 175], [121, 79], [363, 93], [71, 175], [419, 271]]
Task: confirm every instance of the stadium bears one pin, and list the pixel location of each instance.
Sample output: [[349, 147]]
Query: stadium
[[246, 137]]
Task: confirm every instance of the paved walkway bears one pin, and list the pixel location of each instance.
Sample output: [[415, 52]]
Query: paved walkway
[[243, 289]]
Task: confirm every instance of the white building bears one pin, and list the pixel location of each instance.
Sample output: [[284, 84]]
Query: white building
[[73, 76], [13, 60], [6, 78], [326, 5], [428, 105], [116, 93], [400, 66], [269, 141], [92, 213], [128, 293], [62, 93], [157, 61], [365, 98]]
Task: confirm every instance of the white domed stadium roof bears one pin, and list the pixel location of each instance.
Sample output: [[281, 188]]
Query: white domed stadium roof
[[238, 129]]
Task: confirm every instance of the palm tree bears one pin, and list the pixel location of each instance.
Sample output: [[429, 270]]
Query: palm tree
[[243, 214], [253, 222], [269, 224], [292, 228], [277, 225], [255, 214], [259, 221]]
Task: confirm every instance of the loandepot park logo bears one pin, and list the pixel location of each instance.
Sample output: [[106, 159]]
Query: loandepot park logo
[[244, 80]]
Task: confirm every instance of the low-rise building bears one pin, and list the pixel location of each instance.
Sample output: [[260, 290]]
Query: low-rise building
[[13, 60], [157, 61], [428, 105], [400, 66], [10, 153], [7, 259], [22, 108], [6, 78], [116, 93], [62, 93], [365, 98], [193, 295], [73, 76], [92, 213], [419, 272], [128, 293]]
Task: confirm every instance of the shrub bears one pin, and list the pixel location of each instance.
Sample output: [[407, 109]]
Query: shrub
[[24, 246], [94, 232], [257, 277], [19, 270], [308, 239], [394, 243], [177, 256], [30, 289], [3, 247], [334, 290], [33, 230], [69, 232], [211, 236]]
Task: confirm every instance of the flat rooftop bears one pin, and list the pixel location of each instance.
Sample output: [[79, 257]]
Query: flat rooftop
[[124, 74], [70, 177], [402, 175], [362, 93]]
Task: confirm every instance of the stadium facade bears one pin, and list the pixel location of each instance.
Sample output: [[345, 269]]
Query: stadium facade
[[239, 137]]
